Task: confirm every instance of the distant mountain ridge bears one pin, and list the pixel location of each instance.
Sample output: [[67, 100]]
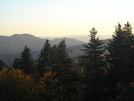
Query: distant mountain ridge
[[12, 46], [15, 43], [83, 38]]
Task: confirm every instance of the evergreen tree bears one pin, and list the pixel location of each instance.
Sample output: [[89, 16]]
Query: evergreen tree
[[45, 59], [120, 49], [2, 64], [120, 57], [50, 91], [130, 42], [66, 77], [63, 58], [94, 63], [132, 50], [25, 62], [16, 64]]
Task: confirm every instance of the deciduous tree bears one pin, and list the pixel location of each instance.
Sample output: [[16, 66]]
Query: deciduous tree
[[15, 85]]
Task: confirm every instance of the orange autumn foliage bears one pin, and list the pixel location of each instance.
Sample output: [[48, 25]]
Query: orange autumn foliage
[[41, 85]]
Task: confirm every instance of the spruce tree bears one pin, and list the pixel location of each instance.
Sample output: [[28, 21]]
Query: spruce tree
[[64, 73], [94, 63], [120, 57], [16, 64], [25, 62], [45, 59], [63, 57], [130, 42], [120, 49]]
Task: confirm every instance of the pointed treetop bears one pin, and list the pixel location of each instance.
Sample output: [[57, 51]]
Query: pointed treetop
[[127, 28], [93, 32], [118, 28]]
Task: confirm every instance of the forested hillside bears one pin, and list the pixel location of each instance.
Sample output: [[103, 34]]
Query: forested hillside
[[55, 76]]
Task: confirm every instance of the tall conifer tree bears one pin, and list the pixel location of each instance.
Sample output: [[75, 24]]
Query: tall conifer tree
[[120, 57], [94, 63], [120, 49], [25, 62], [63, 57], [64, 73], [45, 59]]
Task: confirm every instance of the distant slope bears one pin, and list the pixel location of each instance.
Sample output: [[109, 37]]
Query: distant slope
[[83, 38], [36, 44], [15, 43], [69, 41], [10, 57], [74, 53]]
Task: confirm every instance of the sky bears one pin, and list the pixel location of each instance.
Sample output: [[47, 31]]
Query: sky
[[63, 17]]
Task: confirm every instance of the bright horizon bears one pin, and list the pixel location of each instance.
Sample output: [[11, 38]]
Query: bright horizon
[[50, 18]]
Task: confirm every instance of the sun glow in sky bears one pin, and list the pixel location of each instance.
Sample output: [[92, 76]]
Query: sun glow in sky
[[63, 17]]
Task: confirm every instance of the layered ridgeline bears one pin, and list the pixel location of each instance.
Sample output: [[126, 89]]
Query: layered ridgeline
[[15, 43], [12, 46]]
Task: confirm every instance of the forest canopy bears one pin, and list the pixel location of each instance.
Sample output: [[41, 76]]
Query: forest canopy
[[55, 76]]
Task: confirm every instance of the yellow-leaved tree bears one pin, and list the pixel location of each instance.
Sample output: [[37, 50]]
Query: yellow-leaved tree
[[15, 85]]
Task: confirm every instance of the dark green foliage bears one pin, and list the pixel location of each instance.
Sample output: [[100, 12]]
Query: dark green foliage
[[2, 64], [120, 49], [62, 79], [126, 92], [16, 63], [120, 57], [51, 91], [25, 62], [94, 63], [69, 83], [62, 57], [61, 82], [45, 59], [64, 74], [93, 53]]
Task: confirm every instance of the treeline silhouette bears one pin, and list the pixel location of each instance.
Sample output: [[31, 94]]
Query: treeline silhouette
[[54, 76]]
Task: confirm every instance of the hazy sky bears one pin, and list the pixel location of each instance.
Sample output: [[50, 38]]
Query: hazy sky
[[63, 17]]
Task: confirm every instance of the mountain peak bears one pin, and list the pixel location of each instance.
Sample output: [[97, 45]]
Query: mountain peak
[[25, 34]]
